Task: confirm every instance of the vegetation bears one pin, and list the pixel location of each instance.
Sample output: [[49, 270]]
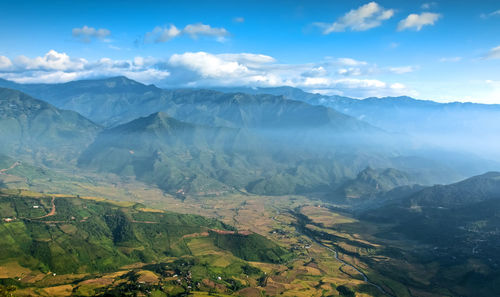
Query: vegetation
[[75, 235]]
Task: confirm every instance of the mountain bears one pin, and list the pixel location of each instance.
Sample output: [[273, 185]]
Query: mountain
[[119, 100], [184, 158], [179, 157], [455, 126], [36, 129], [98, 100], [459, 222], [477, 189], [370, 182], [396, 114]]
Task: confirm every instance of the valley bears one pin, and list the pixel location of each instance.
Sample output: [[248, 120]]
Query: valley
[[228, 194], [249, 148], [331, 249]]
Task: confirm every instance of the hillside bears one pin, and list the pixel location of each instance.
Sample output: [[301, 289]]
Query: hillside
[[36, 129], [178, 157], [370, 182], [461, 223], [183, 158], [463, 125], [66, 234]]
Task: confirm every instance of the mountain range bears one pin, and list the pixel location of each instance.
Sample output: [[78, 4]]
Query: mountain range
[[466, 126], [204, 141]]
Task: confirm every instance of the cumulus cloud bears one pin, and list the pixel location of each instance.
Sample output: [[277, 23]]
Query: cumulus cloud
[[164, 34], [315, 72], [208, 65], [417, 21], [494, 53], [5, 63], [56, 67], [86, 34], [49, 62], [363, 18], [196, 30], [202, 69]]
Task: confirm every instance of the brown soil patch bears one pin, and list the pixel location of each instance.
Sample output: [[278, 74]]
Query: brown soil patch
[[57, 291]]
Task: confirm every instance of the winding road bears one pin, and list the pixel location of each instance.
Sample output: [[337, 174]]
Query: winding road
[[17, 163], [335, 253]]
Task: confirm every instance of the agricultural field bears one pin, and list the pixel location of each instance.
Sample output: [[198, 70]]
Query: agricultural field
[[297, 245]]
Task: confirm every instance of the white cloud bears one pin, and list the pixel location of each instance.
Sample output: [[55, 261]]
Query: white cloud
[[352, 71], [363, 18], [164, 34], [202, 69], [494, 53], [5, 63], [417, 21], [239, 20], [402, 69], [450, 59], [250, 60], [196, 30], [351, 62], [358, 88], [315, 72], [50, 61], [208, 65], [86, 34], [55, 67]]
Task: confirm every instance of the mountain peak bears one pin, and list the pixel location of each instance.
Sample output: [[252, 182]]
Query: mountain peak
[[158, 121], [121, 81], [114, 82]]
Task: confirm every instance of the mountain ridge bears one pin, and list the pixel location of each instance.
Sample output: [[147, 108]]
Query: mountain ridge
[[30, 126]]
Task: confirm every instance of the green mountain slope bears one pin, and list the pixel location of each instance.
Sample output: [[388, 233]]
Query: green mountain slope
[[186, 158], [74, 235], [179, 157], [370, 182], [33, 128]]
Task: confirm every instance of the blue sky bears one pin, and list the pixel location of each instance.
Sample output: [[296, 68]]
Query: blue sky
[[439, 50]]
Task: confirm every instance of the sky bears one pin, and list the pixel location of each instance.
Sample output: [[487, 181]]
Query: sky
[[436, 50]]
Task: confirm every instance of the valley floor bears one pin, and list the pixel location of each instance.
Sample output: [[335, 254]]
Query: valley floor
[[336, 255]]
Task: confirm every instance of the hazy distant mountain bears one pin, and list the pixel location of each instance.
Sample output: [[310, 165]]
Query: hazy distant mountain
[[34, 128], [458, 126], [98, 100], [118, 100], [398, 114], [305, 134], [370, 182]]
